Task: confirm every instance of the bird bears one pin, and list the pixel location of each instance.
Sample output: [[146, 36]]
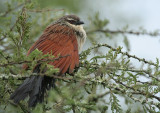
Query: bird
[[66, 37]]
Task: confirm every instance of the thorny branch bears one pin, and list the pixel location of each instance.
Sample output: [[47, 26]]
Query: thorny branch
[[39, 61], [84, 81], [137, 71], [124, 32], [123, 53], [136, 92]]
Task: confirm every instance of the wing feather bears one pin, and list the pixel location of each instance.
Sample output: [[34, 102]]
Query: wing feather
[[62, 66], [72, 64], [67, 64]]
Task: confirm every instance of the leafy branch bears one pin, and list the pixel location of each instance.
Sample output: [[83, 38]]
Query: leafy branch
[[119, 50]]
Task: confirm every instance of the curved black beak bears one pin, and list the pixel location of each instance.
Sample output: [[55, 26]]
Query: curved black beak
[[79, 22]]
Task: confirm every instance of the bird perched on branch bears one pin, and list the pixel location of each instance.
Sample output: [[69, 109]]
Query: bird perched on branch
[[64, 37]]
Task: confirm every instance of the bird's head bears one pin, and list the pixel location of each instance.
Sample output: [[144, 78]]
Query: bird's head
[[72, 21]]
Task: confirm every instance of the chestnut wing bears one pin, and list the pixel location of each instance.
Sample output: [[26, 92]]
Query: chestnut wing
[[59, 40]]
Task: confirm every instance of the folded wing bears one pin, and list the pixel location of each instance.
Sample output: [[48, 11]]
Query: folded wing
[[59, 40]]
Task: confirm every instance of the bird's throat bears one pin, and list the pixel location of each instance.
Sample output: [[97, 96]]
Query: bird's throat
[[81, 37]]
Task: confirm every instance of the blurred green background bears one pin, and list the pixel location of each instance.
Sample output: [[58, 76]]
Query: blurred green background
[[97, 14]]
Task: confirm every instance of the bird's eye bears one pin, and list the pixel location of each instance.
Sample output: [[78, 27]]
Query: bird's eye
[[72, 21]]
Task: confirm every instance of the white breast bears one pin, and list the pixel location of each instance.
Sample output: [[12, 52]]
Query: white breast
[[80, 38]]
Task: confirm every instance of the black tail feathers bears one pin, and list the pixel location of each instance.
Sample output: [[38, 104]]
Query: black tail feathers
[[34, 87]]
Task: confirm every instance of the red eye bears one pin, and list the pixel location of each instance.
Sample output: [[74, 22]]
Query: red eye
[[72, 22]]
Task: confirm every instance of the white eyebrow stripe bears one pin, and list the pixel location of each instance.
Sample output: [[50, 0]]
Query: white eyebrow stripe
[[70, 19]]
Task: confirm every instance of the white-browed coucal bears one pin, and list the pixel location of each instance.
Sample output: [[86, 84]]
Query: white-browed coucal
[[65, 37]]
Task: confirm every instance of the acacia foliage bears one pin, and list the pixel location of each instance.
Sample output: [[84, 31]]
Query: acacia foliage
[[106, 80]]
